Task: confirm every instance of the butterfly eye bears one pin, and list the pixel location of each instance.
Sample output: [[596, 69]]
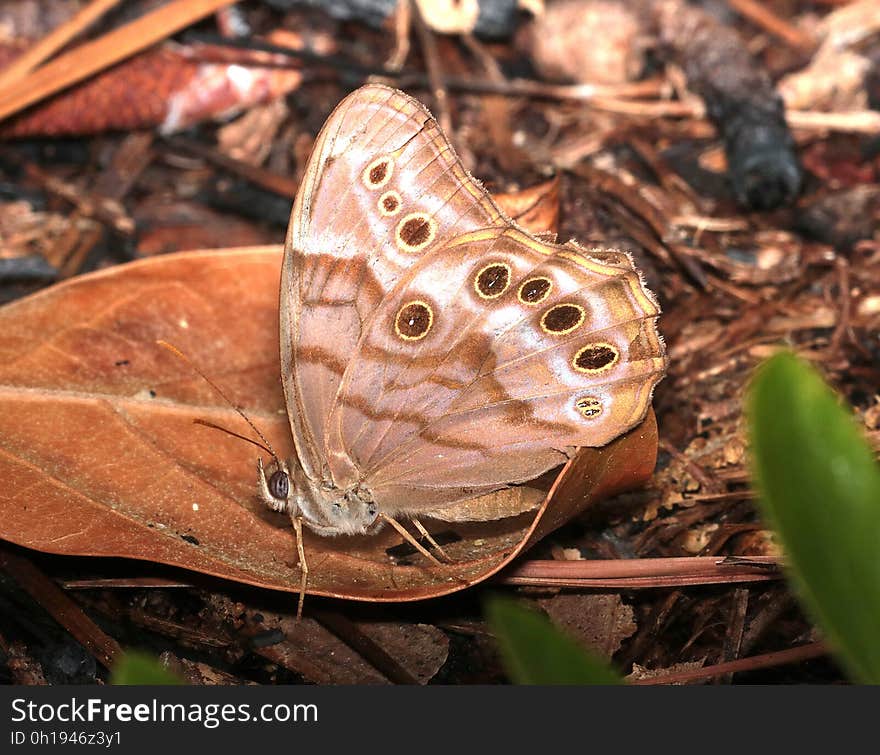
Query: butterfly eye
[[596, 357], [279, 485]]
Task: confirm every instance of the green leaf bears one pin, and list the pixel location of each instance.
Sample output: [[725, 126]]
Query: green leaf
[[135, 668], [536, 652], [819, 485]]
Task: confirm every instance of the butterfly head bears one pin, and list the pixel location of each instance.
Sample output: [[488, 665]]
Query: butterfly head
[[325, 510], [276, 488]]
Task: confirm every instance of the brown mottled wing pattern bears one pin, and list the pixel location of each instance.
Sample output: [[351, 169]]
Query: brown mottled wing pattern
[[576, 368], [522, 351], [382, 186]]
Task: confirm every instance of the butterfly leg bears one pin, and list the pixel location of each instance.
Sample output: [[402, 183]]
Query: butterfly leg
[[303, 566], [410, 539], [434, 544]]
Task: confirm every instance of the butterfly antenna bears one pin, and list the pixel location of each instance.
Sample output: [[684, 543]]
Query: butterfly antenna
[[266, 445], [226, 430]]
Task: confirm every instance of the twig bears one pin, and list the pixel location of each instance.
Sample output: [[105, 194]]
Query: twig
[[67, 613], [497, 110], [104, 209], [767, 660], [854, 122], [760, 15], [671, 181], [724, 533], [54, 41], [129, 160], [734, 634], [713, 225], [402, 26], [643, 572], [748, 297], [542, 90], [261, 177], [76, 257], [91, 57], [93, 583], [767, 616], [435, 72], [843, 321]]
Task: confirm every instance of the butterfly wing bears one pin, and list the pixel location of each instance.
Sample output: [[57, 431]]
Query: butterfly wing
[[494, 356], [382, 187]]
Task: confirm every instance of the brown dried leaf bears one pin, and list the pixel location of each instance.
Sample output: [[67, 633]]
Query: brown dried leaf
[[536, 208], [317, 654], [100, 455], [421, 649], [603, 622]]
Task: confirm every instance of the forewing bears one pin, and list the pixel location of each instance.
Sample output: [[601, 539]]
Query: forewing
[[382, 188]]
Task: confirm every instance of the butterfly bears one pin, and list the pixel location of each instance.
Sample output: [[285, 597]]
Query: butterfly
[[431, 350]]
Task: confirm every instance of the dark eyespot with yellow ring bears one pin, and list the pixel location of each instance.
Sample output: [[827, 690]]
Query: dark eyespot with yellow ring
[[415, 231], [492, 281], [534, 290], [563, 318], [589, 407], [414, 320], [596, 357], [389, 203], [378, 173]]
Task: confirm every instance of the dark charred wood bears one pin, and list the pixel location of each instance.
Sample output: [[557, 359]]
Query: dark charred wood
[[740, 100], [33, 267], [249, 201], [842, 218]]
